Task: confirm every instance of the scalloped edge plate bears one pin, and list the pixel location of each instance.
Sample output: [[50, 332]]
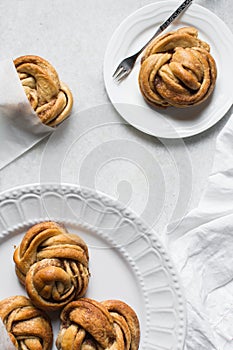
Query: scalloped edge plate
[[132, 34], [127, 260]]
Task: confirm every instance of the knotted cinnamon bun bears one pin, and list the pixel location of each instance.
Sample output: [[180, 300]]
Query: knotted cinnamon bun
[[28, 327], [49, 97], [88, 324], [53, 265], [177, 69]]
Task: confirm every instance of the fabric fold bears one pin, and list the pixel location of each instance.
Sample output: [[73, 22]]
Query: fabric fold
[[201, 245]]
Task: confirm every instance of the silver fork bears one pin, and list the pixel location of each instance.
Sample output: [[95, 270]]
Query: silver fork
[[126, 66]]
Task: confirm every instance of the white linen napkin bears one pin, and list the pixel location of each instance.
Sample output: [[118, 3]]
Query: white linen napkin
[[5, 342], [20, 127], [202, 248]]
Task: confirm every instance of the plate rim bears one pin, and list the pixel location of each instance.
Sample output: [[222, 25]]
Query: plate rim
[[177, 134], [19, 191]]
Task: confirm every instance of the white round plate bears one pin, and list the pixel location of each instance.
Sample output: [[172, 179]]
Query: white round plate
[[127, 261], [132, 34]]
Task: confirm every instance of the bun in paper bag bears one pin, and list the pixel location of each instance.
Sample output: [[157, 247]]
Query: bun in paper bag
[[50, 98]]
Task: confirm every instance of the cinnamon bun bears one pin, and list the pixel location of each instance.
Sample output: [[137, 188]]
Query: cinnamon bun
[[28, 327], [53, 265], [50, 98], [89, 324], [177, 69]]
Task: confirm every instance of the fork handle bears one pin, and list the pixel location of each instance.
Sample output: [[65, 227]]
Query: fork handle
[[168, 21]]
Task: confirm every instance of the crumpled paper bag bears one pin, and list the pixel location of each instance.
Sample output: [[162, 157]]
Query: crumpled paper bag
[[201, 246], [20, 127], [5, 342]]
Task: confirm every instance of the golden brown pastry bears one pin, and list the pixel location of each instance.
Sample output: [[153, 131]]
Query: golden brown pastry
[[28, 327], [89, 324], [49, 97], [53, 265], [177, 69]]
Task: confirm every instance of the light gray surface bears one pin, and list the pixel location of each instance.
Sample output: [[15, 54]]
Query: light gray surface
[[73, 36]]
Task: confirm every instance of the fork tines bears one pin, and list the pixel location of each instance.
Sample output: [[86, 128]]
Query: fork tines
[[120, 73]]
